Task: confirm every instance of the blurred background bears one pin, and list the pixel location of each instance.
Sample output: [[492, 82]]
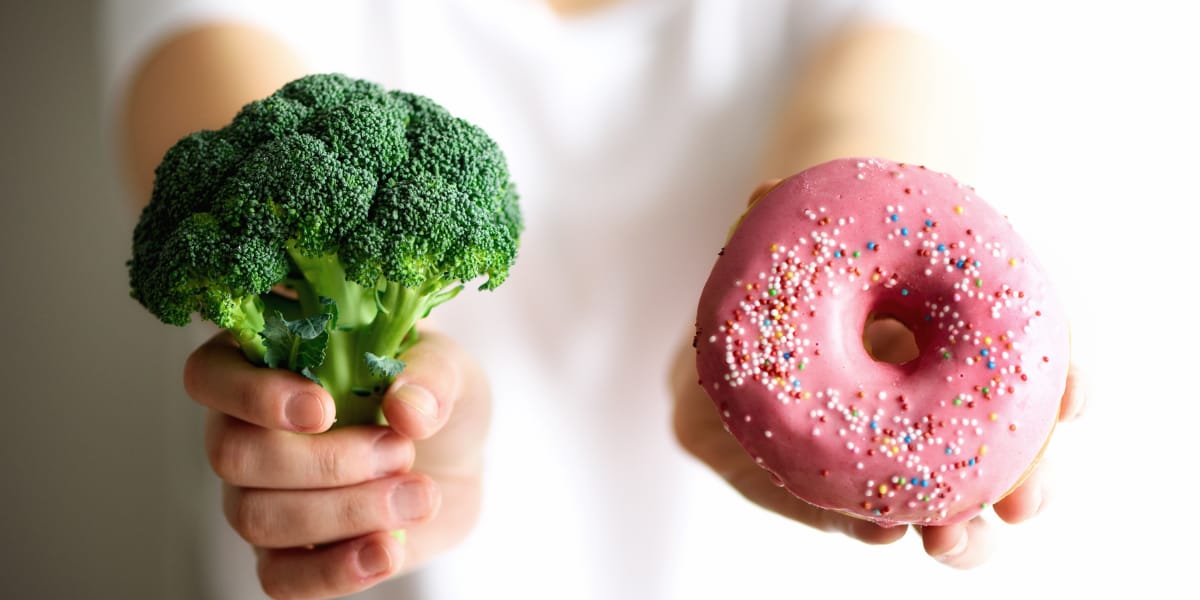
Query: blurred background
[[1090, 148]]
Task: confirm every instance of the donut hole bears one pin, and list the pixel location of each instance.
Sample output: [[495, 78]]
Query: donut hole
[[888, 340]]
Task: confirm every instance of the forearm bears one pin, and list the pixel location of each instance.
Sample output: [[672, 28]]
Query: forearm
[[196, 79], [878, 91]]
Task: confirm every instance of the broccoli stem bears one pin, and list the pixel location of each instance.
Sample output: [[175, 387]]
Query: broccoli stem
[[340, 375], [247, 322], [326, 278], [379, 320]]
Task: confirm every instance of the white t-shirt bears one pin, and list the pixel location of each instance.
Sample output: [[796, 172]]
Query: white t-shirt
[[633, 135]]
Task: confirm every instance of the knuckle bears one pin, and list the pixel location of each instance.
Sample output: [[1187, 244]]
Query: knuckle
[[256, 403], [228, 456], [193, 379], [376, 514], [328, 464], [249, 518]]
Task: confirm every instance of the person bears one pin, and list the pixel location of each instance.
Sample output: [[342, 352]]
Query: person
[[635, 130]]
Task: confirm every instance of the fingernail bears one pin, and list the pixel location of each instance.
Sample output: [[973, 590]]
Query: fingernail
[[959, 548], [418, 399], [305, 412], [411, 501], [390, 455], [374, 559]]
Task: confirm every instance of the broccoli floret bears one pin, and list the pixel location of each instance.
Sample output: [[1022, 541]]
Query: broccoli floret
[[321, 224]]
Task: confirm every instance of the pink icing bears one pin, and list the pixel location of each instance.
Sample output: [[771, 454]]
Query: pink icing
[[780, 351]]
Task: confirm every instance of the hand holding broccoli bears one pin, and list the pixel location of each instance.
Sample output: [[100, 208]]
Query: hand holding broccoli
[[318, 508], [317, 229]]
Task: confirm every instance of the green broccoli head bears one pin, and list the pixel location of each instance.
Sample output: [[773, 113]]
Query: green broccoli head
[[379, 201]]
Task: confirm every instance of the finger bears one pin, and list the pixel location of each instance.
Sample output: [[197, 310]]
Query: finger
[[442, 391], [461, 502], [250, 456], [756, 485], [286, 518], [218, 376], [421, 399], [962, 545], [699, 430], [1075, 398], [762, 190], [1029, 498], [328, 571]]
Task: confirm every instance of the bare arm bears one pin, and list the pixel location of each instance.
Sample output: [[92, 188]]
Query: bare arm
[[879, 91], [197, 79]]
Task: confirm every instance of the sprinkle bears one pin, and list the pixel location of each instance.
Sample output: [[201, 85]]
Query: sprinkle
[[894, 217], [904, 292], [872, 245], [941, 248], [958, 210], [857, 254], [978, 283], [903, 231]]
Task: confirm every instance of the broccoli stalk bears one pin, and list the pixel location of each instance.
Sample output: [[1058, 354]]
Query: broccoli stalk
[[321, 225]]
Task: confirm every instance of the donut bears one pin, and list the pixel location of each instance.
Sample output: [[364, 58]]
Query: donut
[[933, 440]]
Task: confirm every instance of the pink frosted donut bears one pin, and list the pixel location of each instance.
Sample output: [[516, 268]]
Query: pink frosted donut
[[780, 347]]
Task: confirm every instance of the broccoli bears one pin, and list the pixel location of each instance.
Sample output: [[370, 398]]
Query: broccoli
[[321, 224]]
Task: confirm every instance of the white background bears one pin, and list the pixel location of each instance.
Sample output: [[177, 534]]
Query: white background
[[1092, 117]]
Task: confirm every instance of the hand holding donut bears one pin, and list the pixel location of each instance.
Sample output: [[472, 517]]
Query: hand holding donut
[[884, 351]]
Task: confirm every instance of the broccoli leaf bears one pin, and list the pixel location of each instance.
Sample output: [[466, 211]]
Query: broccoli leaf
[[383, 366], [296, 345]]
